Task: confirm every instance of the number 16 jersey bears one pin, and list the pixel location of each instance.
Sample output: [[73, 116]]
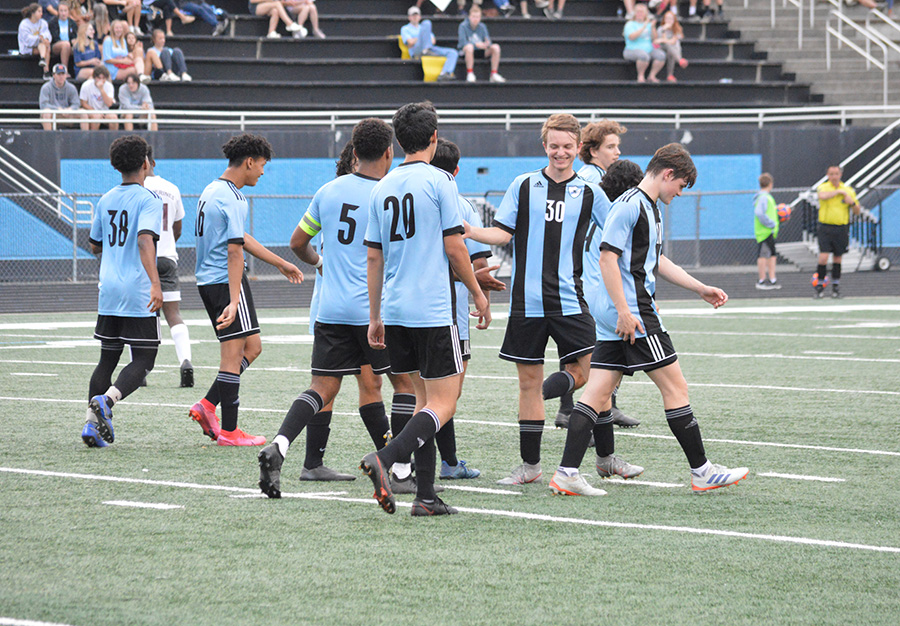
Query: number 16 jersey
[[411, 210], [221, 213]]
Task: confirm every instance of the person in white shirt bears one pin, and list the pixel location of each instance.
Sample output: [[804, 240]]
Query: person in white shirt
[[167, 266], [97, 94]]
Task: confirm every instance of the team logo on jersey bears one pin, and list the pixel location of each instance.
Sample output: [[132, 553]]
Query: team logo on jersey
[[574, 191], [539, 185]]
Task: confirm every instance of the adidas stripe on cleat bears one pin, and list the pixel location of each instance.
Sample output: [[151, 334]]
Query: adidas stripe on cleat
[[718, 476]]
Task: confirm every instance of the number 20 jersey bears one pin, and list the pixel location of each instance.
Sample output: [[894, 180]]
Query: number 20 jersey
[[121, 215], [340, 212], [411, 210], [548, 222]]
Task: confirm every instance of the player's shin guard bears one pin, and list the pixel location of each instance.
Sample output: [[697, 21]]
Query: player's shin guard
[[229, 389], [530, 432], [835, 274], [684, 426], [403, 405], [299, 415], [317, 431], [425, 461], [101, 379], [604, 439], [376, 422], [581, 423], [213, 396], [131, 376], [557, 384], [420, 429], [446, 443]]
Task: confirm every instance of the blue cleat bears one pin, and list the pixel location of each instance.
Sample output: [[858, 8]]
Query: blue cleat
[[91, 437], [101, 407], [453, 472]]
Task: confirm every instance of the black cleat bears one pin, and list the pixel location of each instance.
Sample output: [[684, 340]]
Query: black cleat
[[420, 508], [408, 485], [324, 474], [372, 467], [187, 374], [270, 461]]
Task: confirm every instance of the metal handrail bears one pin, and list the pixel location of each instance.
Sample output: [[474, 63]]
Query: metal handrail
[[20, 175], [869, 38], [799, 5], [875, 13]]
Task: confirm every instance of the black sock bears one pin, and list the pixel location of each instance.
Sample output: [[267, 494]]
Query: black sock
[[425, 460], [686, 430], [418, 430], [101, 379], [604, 439], [403, 405], [581, 423], [317, 431], [133, 374], [557, 384], [835, 274], [303, 409], [614, 394], [229, 385], [376, 422], [446, 443], [530, 433], [213, 396], [821, 270]]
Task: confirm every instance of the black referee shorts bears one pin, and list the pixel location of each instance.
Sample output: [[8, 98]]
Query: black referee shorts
[[833, 238]]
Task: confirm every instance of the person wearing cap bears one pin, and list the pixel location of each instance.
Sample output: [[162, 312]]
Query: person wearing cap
[[58, 94], [417, 36]]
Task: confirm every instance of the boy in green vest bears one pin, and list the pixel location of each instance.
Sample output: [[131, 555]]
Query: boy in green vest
[[765, 225]]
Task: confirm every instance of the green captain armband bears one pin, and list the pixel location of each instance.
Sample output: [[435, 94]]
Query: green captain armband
[[310, 226]]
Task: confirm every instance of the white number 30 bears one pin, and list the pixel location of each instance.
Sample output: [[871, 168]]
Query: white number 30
[[555, 211]]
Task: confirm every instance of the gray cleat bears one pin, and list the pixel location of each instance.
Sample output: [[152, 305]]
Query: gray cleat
[[608, 466], [623, 421], [324, 474]]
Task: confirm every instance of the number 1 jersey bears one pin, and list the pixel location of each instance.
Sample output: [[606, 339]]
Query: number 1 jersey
[[121, 215]]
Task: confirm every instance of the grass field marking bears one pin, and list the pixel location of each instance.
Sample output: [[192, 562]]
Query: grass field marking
[[33, 374], [632, 481], [778, 310], [151, 404], [824, 479], [494, 512], [144, 505], [825, 352], [11, 621], [822, 356], [500, 492], [261, 495]]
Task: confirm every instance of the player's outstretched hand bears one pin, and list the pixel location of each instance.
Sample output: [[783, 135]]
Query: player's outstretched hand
[[714, 296], [482, 310], [375, 335], [156, 298], [292, 272], [467, 228], [227, 318], [486, 281], [627, 326]]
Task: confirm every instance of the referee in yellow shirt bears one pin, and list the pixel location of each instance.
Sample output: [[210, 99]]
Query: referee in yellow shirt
[[836, 200]]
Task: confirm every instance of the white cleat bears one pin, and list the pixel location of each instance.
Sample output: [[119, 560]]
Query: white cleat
[[718, 476], [563, 485], [525, 473]]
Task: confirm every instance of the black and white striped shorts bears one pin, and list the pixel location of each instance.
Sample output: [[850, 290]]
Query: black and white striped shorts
[[216, 298], [644, 355]]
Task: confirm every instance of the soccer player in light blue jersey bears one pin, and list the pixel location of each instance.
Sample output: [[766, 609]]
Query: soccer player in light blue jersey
[[546, 214], [599, 150], [225, 290], [124, 232], [415, 245], [631, 336]]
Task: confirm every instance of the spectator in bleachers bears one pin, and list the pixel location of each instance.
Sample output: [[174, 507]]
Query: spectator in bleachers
[[706, 11], [668, 38], [303, 10], [552, 14], [81, 11], [136, 54], [169, 10], [118, 61], [86, 52], [639, 35], [97, 95], [58, 95], [128, 10], [276, 11], [206, 13], [101, 22], [34, 36], [629, 8], [50, 7], [417, 36], [133, 96], [165, 63], [62, 33], [474, 40]]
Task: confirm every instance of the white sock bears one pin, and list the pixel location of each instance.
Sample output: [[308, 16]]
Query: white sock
[[114, 394], [182, 342], [692, 10], [702, 470], [283, 444], [571, 472], [401, 470]]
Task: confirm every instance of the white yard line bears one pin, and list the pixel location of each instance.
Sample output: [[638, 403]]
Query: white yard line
[[497, 513], [499, 492], [11, 621], [824, 479], [38, 374], [144, 505]]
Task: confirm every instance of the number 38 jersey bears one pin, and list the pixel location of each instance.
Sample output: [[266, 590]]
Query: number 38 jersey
[[549, 221], [121, 215], [411, 210], [221, 214], [340, 212]]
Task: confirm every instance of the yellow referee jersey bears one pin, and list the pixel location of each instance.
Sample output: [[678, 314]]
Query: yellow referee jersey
[[835, 210]]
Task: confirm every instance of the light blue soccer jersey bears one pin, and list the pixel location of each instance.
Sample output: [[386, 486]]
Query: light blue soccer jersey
[[477, 250], [633, 230], [339, 213], [411, 210], [591, 280], [121, 215], [221, 214], [549, 222]]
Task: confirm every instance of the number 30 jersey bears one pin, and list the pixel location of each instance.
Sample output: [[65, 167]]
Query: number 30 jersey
[[340, 212], [121, 215], [548, 222], [411, 210], [221, 215]]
